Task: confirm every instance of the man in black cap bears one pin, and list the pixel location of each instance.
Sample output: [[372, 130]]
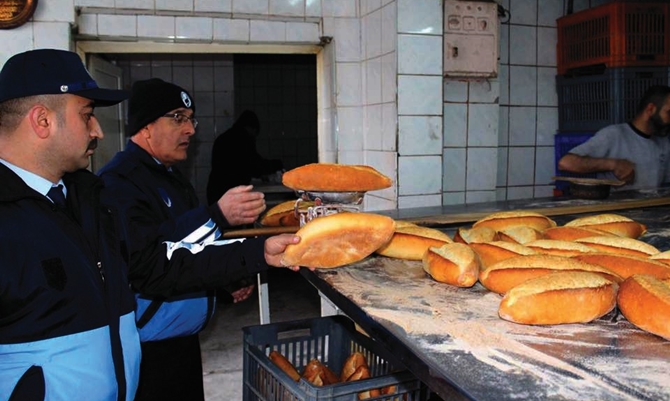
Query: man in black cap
[[160, 207]]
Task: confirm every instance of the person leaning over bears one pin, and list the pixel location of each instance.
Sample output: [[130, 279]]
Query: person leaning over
[[170, 234], [637, 152]]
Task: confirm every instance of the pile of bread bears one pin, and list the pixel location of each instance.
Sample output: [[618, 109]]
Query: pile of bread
[[355, 368]]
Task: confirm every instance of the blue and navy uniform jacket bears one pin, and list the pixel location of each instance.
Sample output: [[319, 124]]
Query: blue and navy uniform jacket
[[67, 320], [168, 230]]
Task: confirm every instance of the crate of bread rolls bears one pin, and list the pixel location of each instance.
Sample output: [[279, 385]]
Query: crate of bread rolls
[[308, 360]]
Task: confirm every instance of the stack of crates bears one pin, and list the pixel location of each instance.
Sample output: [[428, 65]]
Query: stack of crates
[[607, 57]]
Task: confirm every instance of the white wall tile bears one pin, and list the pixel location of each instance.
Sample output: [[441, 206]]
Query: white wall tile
[[503, 50], [546, 46], [350, 157], [544, 191], [313, 8], [524, 12], [503, 126], [251, 7], [453, 198], [218, 6], [339, 8], [389, 77], [484, 91], [546, 87], [453, 169], [387, 164], [231, 30], [117, 25], [419, 135], [455, 124], [136, 4], [373, 127], [419, 175], [302, 32], [455, 91], [204, 81], [54, 11], [524, 45], [368, 6], [350, 128], [51, 35], [503, 79], [373, 203], [194, 28], [151, 26], [389, 28], [523, 86], [95, 3], [544, 165], [417, 55], [501, 174], [521, 166], [419, 95], [547, 125], [389, 126], [373, 81], [480, 196], [267, 31], [522, 126], [373, 34], [549, 12], [88, 24], [346, 36], [287, 8], [483, 124], [348, 84], [519, 193], [406, 202], [482, 164], [174, 5], [424, 17]]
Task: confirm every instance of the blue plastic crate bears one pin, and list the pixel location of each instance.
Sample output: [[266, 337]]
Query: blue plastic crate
[[563, 143], [331, 340], [609, 96]]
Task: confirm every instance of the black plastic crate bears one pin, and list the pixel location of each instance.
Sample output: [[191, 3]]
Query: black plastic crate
[[609, 96], [331, 340], [563, 143]]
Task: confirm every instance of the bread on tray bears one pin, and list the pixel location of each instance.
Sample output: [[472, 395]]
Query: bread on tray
[[503, 220], [411, 242], [566, 233], [456, 264], [475, 234], [329, 177], [619, 245], [627, 265], [493, 252], [559, 247], [645, 302], [613, 223], [520, 234]]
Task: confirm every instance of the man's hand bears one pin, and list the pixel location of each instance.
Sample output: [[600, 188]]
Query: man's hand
[[241, 205], [624, 170], [242, 294], [275, 247]]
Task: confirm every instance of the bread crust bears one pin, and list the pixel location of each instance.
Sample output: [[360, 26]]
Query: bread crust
[[559, 247], [503, 220], [410, 243], [627, 265], [508, 273], [339, 239], [663, 257], [520, 234], [566, 233], [284, 364], [613, 223], [559, 298], [455, 264], [493, 252], [619, 245], [319, 374], [351, 364], [362, 373], [330, 177], [475, 235], [645, 302]]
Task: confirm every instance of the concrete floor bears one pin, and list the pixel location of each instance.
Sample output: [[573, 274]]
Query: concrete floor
[[291, 298]]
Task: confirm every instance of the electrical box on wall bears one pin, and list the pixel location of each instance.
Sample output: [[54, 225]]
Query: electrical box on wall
[[471, 32]]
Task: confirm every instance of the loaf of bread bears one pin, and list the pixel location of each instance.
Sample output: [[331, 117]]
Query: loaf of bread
[[284, 364], [362, 373], [507, 274], [503, 220], [339, 239], [319, 374], [477, 234], [559, 298], [456, 264], [613, 223], [353, 362], [520, 234], [493, 252], [620, 245], [411, 242], [627, 265], [645, 302], [283, 214], [559, 247], [663, 257], [328, 177], [565, 233]]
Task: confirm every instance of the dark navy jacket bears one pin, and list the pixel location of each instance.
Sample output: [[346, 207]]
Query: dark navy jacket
[[169, 230], [66, 314]]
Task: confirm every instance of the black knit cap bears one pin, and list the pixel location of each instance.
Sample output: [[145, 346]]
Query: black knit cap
[[153, 98]]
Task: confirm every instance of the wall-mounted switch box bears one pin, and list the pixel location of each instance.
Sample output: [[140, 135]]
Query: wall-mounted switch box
[[471, 34]]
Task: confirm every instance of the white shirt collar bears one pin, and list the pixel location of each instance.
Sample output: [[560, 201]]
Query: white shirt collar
[[34, 181]]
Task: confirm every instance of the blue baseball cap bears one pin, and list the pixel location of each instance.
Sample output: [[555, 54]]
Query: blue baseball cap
[[52, 72]]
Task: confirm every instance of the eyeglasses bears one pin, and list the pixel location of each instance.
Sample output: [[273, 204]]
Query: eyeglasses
[[180, 119]]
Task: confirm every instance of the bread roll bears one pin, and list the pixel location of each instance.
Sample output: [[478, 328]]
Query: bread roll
[[472, 235], [362, 373], [613, 223], [565, 233], [645, 302], [663, 257], [329, 177], [559, 248], [353, 362], [627, 265], [411, 242], [619, 245], [456, 264], [520, 234], [507, 274], [559, 298], [338, 239], [319, 374], [503, 220], [491, 253], [284, 364], [283, 214]]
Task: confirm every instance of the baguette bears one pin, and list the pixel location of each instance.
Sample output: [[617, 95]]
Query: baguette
[[283, 214], [627, 265], [328, 177], [319, 374], [411, 242], [477, 234], [353, 362], [456, 264], [645, 302], [520, 234], [559, 248], [613, 223], [566, 233], [663, 257], [559, 298], [338, 239], [507, 274], [493, 252], [284, 364], [619, 245], [504, 220], [362, 373]]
